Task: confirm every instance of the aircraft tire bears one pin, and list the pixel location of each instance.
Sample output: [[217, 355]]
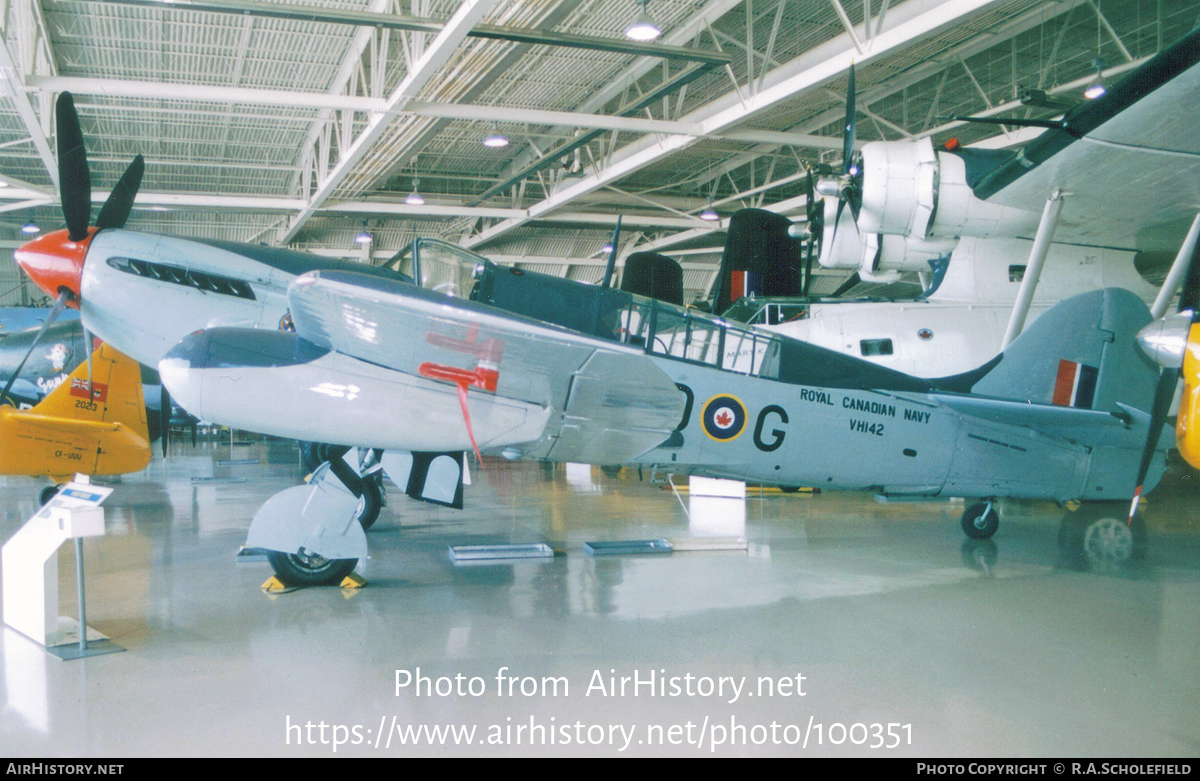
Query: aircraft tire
[[311, 456], [980, 520], [611, 470], [294, 569], [372, 502], [789, 489], [48, 493]]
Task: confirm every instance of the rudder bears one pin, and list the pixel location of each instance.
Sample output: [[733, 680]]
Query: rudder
[[115, 395]]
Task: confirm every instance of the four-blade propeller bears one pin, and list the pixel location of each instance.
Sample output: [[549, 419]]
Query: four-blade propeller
[[57, 257]]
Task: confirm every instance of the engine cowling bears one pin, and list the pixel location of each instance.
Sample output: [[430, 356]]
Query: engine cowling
[[911, 189]]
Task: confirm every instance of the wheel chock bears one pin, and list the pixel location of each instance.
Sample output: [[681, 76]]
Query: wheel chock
[[276, 586], [350, 584], [353, 581]]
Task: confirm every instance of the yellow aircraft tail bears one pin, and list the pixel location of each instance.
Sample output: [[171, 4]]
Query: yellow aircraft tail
[[97, 428], [115, 395]]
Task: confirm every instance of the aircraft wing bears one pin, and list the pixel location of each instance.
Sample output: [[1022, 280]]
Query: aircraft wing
[[612, 402], [1129, 161], [1093, 428]]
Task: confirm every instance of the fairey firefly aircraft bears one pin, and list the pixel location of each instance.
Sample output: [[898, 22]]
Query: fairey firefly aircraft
[[92, 423], [534, 366]]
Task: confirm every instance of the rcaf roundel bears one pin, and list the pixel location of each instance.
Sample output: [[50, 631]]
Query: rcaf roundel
[[724, 418]]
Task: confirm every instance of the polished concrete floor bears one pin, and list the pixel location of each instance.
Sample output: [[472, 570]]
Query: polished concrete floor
[[1062, 636]]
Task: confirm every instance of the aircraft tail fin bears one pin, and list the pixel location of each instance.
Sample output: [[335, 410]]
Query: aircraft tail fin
[[115, 395], [1082, 353], [760, 258]]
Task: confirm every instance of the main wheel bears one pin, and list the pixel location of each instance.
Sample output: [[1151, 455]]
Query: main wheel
[[312, 455], [611, 470], [309, 569], [980, 520], [48, 493], [372, 502], [789, 489]]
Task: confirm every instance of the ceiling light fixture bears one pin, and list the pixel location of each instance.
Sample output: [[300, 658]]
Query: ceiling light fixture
[[1096, 88], [607, 247], [363, 237], [643, 27], [415, 198], [495, 139], [30, 227], [709, 214]]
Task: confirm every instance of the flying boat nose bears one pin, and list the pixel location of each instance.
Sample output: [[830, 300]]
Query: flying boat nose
[[55, 263]]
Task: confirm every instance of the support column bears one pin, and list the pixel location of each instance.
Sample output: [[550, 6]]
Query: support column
[[1033, 269], [1178, 271]]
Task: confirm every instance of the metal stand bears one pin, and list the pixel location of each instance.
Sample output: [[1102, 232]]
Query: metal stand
[[30, 575], [101, 645]]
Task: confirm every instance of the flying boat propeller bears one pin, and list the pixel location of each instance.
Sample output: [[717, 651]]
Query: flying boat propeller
[[812, 230], [1172, 342], [848, 186]]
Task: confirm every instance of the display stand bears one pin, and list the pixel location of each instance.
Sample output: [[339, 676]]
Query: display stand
[[30, 582]]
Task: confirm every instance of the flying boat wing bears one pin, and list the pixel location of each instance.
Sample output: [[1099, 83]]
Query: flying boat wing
[[1128, 161]]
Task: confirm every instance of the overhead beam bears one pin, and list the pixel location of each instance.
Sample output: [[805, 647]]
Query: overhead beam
[[325, 101], [683, 32], [435, 56], [28, 198], [15, 89], [913, 19], [431, 26]]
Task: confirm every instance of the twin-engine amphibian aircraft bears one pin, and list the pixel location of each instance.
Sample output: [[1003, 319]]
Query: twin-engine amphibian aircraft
[[535, 366], [96, 427]]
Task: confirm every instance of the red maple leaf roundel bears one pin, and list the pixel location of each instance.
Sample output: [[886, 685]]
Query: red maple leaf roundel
[[724, 419]]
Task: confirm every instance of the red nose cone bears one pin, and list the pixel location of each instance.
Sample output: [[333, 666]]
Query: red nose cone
[[54, 262]]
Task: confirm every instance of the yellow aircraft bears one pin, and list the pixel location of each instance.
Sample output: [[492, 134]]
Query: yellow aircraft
[[96, 427]]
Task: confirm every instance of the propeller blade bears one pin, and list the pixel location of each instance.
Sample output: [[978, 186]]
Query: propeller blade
[[164, 417], [115, 212], [1163, 395], [837, 220], [54, 313], [848, 135], [612, 255], [74, 182], [810, 192]]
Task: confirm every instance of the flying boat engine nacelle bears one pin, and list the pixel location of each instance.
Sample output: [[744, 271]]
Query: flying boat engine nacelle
[[878, 257], [911, 189]]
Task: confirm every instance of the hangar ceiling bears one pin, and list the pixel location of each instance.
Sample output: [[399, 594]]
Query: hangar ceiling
[[306, 122]]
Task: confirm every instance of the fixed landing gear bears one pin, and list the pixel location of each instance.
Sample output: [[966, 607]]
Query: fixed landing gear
[[48, 493], [313, 454], [981, 520], [372, 497], [309, 569]]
